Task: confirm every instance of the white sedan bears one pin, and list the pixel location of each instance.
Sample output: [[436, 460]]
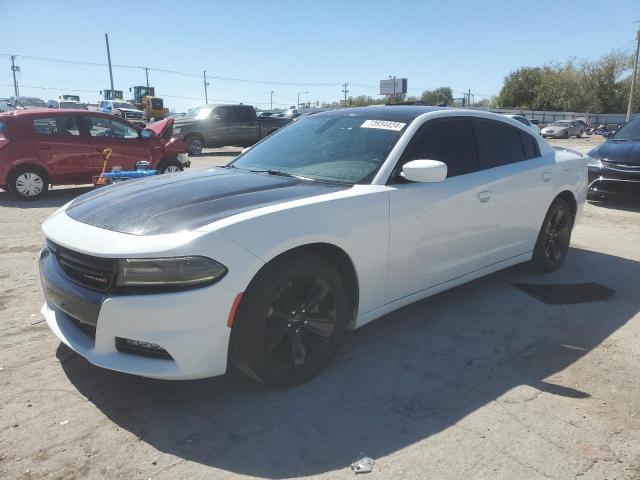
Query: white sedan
[[526, 122], [329, 223]]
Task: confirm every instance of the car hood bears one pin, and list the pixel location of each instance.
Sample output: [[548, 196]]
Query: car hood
[[626, 151], [184, 201], [160, 127]]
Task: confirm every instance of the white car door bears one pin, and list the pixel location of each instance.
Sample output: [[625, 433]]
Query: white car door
[[439, 231], [519, 186]]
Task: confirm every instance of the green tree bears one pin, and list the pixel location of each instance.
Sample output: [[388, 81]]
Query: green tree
[[519, 89], [437, 96]]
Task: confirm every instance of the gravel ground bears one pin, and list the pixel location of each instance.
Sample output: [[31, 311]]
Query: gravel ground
[[482, 381]]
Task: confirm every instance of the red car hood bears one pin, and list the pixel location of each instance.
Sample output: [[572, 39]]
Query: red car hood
[[159, 128]]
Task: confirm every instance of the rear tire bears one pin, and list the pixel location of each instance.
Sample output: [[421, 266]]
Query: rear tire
[[28, 183], [195, 144], [291, 320], [554, 238]]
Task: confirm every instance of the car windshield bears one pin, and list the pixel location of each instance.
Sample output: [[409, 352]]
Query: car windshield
[[631, 131], [31, 102], [122, 105], [199, 113], [344, 149], [560, 124]]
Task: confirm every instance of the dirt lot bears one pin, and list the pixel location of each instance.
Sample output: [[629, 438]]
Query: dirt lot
[[483, 381]]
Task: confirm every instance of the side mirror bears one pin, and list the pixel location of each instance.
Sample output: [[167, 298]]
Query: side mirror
[[146, 133], [424, 171]]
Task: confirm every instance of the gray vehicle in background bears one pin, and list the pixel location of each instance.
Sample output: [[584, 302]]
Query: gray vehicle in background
[[224, 125], [563, 129]]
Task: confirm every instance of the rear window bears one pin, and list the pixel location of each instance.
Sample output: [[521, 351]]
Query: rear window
[[503, 144], [3, 130], [65, 126]]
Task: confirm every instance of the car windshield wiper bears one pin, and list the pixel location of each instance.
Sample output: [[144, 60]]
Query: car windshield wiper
[[280, 173]]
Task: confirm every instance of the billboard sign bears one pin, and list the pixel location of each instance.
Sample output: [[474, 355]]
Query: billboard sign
[[393, 86]]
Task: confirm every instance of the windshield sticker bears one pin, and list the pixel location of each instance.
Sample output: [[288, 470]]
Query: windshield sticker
[[383, 124]]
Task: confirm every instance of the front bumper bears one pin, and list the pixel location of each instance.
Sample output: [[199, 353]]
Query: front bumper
[[614, 180], [182, 323]]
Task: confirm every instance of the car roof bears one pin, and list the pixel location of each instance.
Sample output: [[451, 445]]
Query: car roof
[[406, 113]]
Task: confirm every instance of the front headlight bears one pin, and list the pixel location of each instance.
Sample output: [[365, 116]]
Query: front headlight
[[176, 272], [594, 162]]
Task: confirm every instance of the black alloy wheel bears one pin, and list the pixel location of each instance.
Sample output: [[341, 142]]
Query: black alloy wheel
[[291, 320], [554, 238]]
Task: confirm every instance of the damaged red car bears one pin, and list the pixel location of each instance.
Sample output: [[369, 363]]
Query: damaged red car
[[39, 148]]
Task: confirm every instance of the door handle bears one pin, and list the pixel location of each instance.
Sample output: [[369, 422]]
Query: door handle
[[546, 176], [484, 196]]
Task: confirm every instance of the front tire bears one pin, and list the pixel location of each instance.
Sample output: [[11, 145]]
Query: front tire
[[291, 320], [170, 166], [554, 238], [28, 183]]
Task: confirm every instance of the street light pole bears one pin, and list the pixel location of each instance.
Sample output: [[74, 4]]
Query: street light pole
[[300, 93], [633, 78], [106, 37], [146, 72], [206, 84]]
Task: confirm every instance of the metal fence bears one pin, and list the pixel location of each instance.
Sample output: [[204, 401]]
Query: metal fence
[[545, 117]]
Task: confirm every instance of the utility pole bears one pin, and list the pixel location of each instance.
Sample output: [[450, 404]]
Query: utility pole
[[300, 93], [146, 72], [345, 90], [106, 37], [469, 98], [206, 84], [393, 99], [15, 69], [271, 100], [635, 73]]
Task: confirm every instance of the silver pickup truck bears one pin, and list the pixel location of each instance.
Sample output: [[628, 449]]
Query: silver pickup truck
[[223, 125]]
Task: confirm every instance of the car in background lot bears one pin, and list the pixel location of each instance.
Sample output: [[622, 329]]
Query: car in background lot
[[124, 110], [563, 129], [614, 166], [526, 122], [27, 103], [334, 221], [54, 147], [223, 125], [69, 104]]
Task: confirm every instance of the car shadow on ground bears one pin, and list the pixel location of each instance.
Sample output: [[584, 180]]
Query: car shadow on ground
[[53, 198], [394, 382]]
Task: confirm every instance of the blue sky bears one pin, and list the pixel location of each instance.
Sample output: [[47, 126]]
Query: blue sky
[[298, 45]]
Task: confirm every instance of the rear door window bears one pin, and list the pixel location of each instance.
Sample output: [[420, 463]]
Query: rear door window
[[64, 126], [450, 141], [529, 145], [499, 143]]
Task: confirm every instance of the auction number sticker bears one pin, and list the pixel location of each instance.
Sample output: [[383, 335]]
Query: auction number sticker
[[383, 124]]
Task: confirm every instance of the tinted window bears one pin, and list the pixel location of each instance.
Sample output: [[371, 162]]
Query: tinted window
[[631, 131], [107, 127], [56, 126], [502, 143], [529, 145], [449, 141], [236, 114]]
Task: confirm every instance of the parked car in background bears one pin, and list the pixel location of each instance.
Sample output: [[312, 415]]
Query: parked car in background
[[563, 129], [70, 104], [26, 103], [39, 148], [614, 166], [124, 110], [222, 125], [328, 224], [4, 105], [526, 122]]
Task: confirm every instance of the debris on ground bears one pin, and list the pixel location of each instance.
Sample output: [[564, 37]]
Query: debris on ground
[[364, 464]]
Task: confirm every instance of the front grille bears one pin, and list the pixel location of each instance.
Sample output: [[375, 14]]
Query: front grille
[[91, 272], [89, 330]]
